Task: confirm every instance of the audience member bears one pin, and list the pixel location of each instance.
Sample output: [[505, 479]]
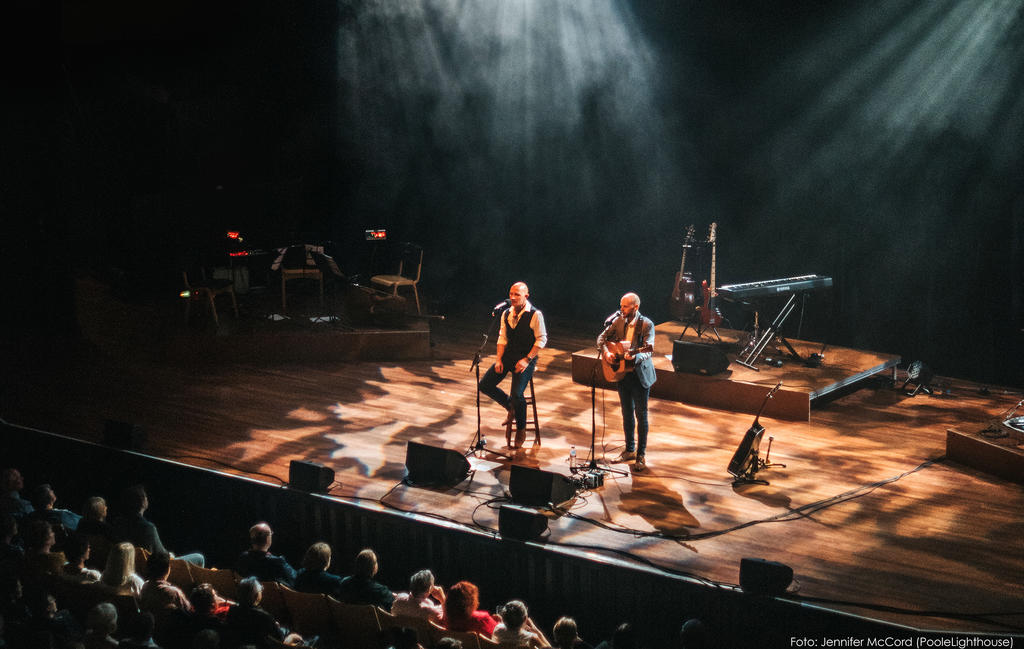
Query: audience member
[[14, 611], [313, 576], [100, 626], [63, 521], [693, 634], [138, 632], [250, 624], [516, 629], [133, 527], [206, 639], [361, 588], [208, 613], [425, 599], [258, 562], [11, 551], [448, 643], [11, 502], [77, 552], [158, 594], [404, 638], [460, 610], [50, 625], [119, 574], [625, 637], [95, 527], [39, 557], [565, 635]]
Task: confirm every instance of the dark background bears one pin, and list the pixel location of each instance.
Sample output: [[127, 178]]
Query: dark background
[[567, 144]]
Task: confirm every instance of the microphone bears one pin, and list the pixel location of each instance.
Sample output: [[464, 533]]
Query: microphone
[[501, 306], [609, 319]]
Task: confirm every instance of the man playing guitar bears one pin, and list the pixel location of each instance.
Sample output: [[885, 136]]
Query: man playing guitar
[[626, 333]]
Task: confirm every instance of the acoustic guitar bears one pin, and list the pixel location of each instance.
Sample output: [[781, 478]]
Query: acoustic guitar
[[615, 370], [684, 290], [746, 461]]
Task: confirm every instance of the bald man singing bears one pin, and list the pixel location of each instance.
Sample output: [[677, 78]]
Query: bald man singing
[[521, 337], [634, 331]]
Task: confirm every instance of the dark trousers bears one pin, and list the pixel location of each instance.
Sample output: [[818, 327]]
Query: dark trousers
[[489, 386], [633, 398]]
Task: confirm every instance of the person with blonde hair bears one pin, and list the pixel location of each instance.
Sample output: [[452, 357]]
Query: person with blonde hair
[[118, 575]]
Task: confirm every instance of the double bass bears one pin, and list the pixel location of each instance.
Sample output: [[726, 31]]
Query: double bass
[[710, 316], [684, 290]]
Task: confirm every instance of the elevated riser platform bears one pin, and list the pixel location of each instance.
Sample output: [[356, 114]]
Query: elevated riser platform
[[739, 388]]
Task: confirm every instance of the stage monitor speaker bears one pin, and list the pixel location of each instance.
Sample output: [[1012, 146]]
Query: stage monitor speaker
[[431, 465], [521, 524], [308, 476], [763, 577], [698, 358], [121, 434], [535, 487]]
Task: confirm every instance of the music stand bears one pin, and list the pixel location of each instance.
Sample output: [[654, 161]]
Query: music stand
[[328, 269]]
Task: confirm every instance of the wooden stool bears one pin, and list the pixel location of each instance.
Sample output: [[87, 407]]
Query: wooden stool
[[531, 403]]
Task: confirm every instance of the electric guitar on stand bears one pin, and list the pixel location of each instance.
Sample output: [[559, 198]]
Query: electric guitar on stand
[[683, 302], [710, 316], [616, 369]]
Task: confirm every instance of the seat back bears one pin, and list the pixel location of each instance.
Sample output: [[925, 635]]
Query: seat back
[[412, 255], [469, 639], [141, 559], [307, 612], [426, 631], [273, 601], [356, 624], [181, 575], [225, 582]]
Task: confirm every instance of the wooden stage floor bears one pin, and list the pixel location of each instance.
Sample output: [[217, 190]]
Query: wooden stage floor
[[866, 510]]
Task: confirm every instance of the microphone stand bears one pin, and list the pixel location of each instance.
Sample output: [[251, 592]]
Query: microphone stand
[[593, 466], [478, 441]]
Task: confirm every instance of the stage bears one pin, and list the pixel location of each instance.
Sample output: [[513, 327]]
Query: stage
[[871, 515]]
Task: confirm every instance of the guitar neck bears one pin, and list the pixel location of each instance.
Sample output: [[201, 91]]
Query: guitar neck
[[714, 248]]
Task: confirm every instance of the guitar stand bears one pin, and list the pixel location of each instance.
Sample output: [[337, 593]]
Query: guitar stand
[[695, 322], [749, 357], [757, 465]]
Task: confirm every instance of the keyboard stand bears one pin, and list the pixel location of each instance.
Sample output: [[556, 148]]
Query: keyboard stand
[[749, 356]]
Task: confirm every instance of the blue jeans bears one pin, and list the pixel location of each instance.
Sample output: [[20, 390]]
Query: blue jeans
[[489, 386], [633, 398]]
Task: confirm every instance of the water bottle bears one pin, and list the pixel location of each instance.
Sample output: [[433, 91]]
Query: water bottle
[[483, 441], [572, 458]]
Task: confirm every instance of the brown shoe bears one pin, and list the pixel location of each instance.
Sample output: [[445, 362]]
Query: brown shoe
[[520, 437], [624, 457], [640, 465]]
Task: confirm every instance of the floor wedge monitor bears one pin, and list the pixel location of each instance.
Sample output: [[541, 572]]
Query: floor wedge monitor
[[535, 487], [433, 465], [698, 358]]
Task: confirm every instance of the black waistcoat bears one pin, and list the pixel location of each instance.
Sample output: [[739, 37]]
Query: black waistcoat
[[518, 341]]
